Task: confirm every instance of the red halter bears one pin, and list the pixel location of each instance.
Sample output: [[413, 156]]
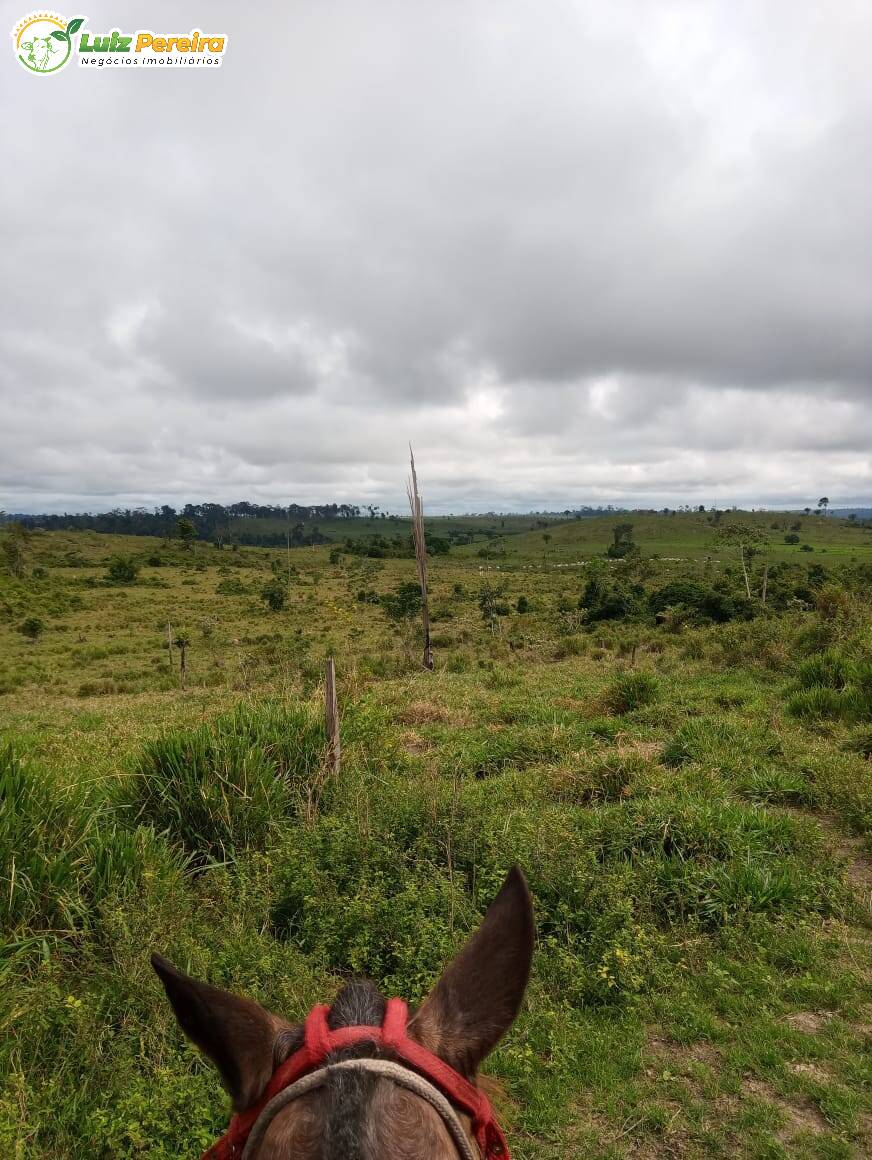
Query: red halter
[[319, 1041]]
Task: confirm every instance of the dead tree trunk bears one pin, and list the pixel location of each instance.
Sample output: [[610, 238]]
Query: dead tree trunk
[[420, 557], [745, 571], [181, 643], [331, 720], [170, 645]]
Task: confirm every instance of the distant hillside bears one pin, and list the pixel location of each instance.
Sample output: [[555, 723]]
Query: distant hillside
[[860, 513]]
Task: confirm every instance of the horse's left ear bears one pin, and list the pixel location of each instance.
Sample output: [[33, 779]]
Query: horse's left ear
[[237, 1034], [479, 994]]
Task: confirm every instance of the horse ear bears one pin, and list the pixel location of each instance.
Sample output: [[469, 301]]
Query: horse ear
[[237, 1034], [478, 996]]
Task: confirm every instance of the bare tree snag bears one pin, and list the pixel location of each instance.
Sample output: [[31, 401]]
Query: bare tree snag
[[420, 556]]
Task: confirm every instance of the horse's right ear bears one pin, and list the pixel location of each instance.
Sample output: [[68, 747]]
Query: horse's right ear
[[237, 1034], [479, 994]]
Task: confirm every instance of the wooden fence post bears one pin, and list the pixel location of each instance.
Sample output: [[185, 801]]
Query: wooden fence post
[[170, 645], [331, 719]]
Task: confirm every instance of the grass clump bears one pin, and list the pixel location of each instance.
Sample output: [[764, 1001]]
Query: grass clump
[[632, 690], [834, 687], [221, 788]]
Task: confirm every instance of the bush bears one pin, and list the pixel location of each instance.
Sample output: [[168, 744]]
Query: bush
[[632, 690], [230, 586], [791, 538], [404, 602], [704, 603], [221, 788], [122, 570], [274, 594], [32, 628]]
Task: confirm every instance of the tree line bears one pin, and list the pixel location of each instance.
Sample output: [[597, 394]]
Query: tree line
[[211, 521]]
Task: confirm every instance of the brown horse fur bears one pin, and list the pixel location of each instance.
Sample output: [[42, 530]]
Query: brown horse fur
[[358, 1116]]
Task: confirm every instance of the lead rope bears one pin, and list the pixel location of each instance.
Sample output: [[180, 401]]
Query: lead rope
[[386, 1069]]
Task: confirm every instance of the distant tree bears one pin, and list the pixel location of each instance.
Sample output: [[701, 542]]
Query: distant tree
[[748, 539], [14, 549], [122, 570], [490, 604], [32, 628], [807, 511], [186, 531], [182, 643], [791, 538], [823, 504], [623, 544]]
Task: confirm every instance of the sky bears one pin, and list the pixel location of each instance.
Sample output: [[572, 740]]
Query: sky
[[575, 253]]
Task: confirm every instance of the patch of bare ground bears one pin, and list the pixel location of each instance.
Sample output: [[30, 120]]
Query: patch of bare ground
[[630, 746], [811, 1071], [414, 743], [700, 1052], [585, 706], [798, 1116], [423, 713], [809, 1022]]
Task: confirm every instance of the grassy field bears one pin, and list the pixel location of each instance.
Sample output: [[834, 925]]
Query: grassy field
[[682, 772]]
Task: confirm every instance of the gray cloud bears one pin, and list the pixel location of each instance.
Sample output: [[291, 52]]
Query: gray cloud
[[604, 252]]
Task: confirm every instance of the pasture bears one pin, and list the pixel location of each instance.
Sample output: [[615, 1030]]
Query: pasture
[[682, 772]]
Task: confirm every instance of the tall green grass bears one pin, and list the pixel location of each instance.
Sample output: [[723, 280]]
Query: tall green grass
[[223, 788], [832, 686], [63, 851]]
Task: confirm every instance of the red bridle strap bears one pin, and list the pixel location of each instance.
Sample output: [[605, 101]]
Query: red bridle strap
[[319, 1041]]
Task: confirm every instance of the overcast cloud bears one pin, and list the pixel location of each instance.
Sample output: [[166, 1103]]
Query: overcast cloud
[[575, 252]]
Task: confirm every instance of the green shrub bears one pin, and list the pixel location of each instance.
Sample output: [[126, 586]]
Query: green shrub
[[364, 907], [404, 602], [32, 627], [274, 594], [122, 570], [232, 586]]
